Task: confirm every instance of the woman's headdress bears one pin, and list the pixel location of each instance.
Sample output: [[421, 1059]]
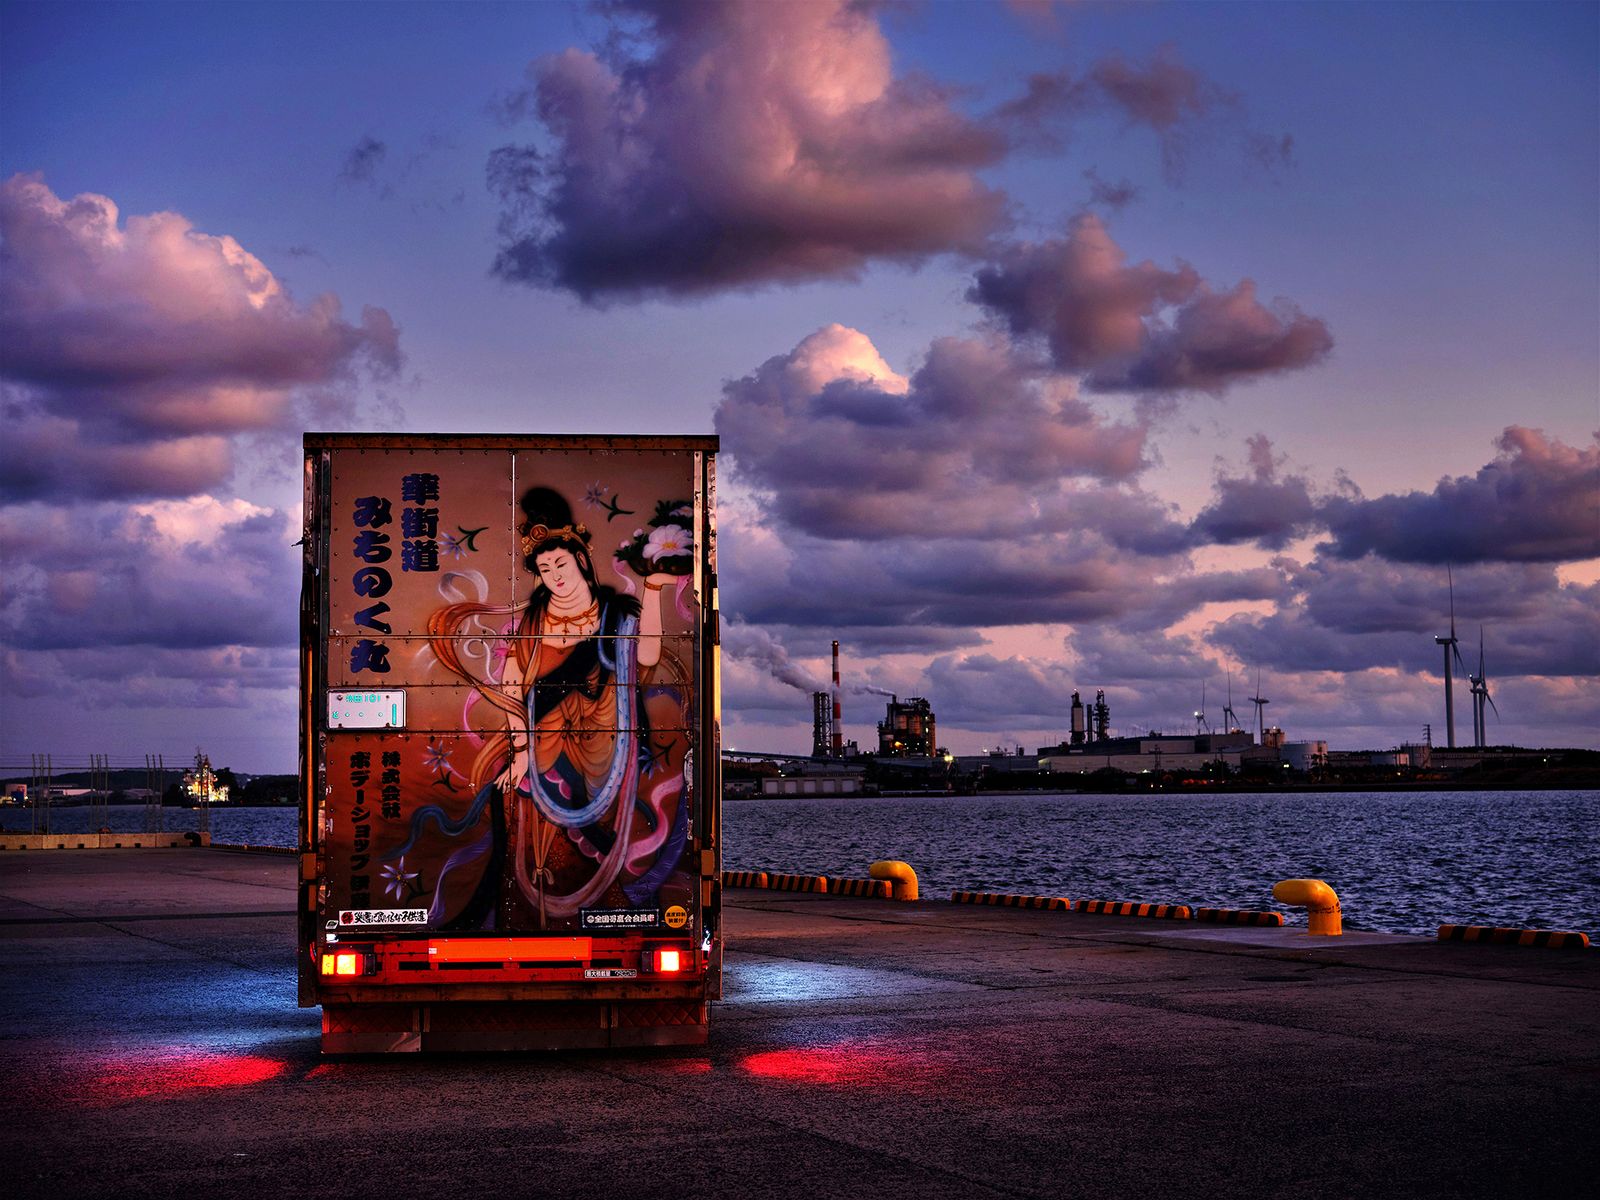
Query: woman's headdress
[[548, 518], [535, 535]]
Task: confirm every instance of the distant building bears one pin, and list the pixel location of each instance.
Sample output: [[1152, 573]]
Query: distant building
[[200, 784], [825, 778], [907, 730], [1157, 752]]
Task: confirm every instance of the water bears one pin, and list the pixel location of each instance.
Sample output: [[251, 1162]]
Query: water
[[1403, 862]]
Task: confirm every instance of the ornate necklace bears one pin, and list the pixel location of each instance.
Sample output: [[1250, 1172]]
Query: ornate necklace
[[565, 625]]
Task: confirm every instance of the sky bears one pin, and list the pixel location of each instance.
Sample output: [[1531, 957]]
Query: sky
[[1152, 348]]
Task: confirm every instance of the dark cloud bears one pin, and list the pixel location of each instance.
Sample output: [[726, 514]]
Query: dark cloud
[[186, 574], [1270, 153], [1261, 506], [985, 691], [363, 160], [1107, 656], [1163, 95], [1368, 613], [1113, 196], [133, 350], [1141, 327], [1536, 502], [740, 145], [146, 678]]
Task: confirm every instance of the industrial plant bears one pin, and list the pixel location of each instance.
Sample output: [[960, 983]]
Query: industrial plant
[[908, 756]]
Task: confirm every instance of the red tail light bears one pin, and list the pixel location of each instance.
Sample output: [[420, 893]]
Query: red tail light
[[347, 963], [663, 960]]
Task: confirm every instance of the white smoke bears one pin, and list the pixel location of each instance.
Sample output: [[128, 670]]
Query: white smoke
[[758, 647]]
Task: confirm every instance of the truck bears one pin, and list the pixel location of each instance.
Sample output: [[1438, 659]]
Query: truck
[[509, 741]]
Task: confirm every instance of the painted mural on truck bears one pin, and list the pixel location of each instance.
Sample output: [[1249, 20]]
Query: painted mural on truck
[[543, 633]]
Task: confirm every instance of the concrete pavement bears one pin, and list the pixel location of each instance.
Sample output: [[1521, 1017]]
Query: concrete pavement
[[151, 1047]]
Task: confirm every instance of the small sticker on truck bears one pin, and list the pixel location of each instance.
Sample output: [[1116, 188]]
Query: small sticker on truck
[[610, 973], [383, 916]]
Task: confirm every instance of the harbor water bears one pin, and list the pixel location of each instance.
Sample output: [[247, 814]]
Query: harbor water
[[1402, 862]]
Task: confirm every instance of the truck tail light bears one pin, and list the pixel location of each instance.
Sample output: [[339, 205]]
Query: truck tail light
[[348, 963], [663, 960]]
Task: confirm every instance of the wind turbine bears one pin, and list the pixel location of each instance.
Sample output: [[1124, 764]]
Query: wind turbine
[[1230, 719], [1481, 700], [1201, 725], [1261, 703], [1450, 651]]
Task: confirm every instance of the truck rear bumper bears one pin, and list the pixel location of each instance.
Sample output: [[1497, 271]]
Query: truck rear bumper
[[455, 1026]]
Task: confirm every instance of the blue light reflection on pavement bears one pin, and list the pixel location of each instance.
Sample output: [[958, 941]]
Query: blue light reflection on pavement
[[753, 980]]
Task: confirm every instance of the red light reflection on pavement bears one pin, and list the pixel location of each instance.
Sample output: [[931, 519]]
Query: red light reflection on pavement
[[139, 1078], [847, 1064]]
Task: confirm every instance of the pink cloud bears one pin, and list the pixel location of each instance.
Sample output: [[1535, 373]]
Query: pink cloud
[[1141, 327], [746, 144], [134, 348]]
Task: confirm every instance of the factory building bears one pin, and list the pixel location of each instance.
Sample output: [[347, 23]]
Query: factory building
[[1157, 752], [907, 730]]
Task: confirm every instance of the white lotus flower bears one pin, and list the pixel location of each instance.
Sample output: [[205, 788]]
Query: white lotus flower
[[669, 541]]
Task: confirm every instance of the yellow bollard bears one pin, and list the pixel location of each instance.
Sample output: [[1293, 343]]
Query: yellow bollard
[[1319, 900], [899, 874]]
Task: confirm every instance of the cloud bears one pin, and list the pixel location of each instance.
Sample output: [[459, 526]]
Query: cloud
[[1114, 196], [975, 444], [192, 574], [742, 144], [985, 691], [1261, 506], [134, 350], [363, 160], [914, 512], [1368, 613], [1140, 327], [1268, 152], [1163, 95], [1536, 502]]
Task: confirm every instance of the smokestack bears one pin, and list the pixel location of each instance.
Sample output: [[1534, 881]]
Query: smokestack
[[838, 719]]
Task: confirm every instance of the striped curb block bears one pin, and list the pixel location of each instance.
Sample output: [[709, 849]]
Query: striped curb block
[[1552, 939], [744, 879], [251, 849], [1237, 916], [1007, 900], [1130, 908], [797, 883], [876, 889]]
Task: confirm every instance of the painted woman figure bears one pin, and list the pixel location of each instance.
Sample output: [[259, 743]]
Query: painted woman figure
[[585, 807]]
